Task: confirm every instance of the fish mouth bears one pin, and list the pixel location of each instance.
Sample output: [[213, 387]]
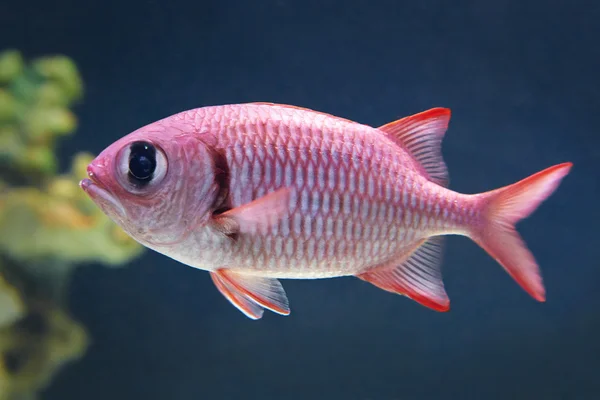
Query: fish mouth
[[97, 191]]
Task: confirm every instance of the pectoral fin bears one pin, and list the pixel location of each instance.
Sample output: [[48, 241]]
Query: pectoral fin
[[254, 216], [250, 294]]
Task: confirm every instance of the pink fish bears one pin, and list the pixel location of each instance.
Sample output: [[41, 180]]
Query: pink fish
[[257, 192]]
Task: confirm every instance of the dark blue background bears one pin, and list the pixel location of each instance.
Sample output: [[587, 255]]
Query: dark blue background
[[522, 80]]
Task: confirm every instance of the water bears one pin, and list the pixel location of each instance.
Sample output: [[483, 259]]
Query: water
[[521, 78]]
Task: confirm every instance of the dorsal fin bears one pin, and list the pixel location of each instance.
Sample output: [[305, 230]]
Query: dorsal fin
[[421, 134]]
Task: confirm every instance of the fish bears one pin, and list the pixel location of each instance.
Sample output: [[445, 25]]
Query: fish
[[255, 193]]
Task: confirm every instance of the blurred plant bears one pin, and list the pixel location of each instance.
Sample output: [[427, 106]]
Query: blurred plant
[[47, 224]]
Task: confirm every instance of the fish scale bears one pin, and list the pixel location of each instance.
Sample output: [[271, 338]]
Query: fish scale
[[348, 153], [256, 192]]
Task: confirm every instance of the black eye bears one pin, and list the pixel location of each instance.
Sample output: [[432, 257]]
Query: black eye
[[142, 162]]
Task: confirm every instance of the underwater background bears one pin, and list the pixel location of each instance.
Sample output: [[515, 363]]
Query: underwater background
[[87, 313]]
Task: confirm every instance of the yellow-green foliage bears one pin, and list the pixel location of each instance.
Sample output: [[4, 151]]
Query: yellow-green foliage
[[34, 113], [58, 221], [35, 347], [47, 224]]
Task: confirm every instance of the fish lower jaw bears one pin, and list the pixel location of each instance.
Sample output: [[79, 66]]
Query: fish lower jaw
[[103, 198]]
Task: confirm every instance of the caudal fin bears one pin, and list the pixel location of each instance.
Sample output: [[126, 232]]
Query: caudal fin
[[506, 206]]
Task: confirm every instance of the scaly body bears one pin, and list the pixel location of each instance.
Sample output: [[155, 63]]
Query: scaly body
[[287, 192], [358, 199]]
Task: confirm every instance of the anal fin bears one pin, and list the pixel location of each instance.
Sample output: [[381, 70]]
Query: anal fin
[[418, 277], [251, 294]]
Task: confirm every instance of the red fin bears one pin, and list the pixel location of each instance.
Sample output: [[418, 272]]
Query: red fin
[[245, 305], [263, 292], [419, 277], [422, 134], [505, 207], [256, 215]]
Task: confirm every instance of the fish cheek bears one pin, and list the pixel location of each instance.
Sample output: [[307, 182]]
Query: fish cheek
[[199, 210]]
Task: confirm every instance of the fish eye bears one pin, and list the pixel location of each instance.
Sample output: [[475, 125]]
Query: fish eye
[[142, 162], [141, 165]]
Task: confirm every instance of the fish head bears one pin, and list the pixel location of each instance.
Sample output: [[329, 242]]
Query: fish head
[[157, 183]]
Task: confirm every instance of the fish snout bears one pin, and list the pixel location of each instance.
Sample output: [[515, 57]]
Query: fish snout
[[92, 178]]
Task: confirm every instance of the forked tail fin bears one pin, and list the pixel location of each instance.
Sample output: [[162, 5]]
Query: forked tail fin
[[503, 208]]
